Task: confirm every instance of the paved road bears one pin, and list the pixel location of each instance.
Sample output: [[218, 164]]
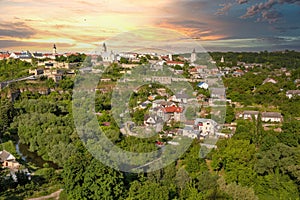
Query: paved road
[[5, 83]]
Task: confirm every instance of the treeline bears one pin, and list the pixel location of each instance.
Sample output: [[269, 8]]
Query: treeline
[[13, 68], [288, 59]]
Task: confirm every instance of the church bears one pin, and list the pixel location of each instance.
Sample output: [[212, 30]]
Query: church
[[108, 57]]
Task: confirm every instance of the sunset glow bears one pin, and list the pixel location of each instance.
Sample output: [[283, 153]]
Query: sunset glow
[[81, 25]]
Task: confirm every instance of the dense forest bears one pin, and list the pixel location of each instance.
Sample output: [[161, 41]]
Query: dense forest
[[254, 164]]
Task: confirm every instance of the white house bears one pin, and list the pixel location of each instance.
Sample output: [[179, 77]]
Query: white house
[[249, 113], [180, 98], [203, 85], [8, 160], [271, 117], [269, 80], [292, 93], [205, 126]]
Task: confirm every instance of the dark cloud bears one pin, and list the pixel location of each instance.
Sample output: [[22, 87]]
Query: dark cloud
[[16, 30], [242, 1], [267, 10], [270, 16]]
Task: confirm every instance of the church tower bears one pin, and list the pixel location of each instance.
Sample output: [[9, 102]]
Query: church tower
[[193, 56], [222, 59], [104, 47], [170, 57], [54, 50]]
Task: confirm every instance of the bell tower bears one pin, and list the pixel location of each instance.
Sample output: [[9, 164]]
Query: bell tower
[[54, 50]]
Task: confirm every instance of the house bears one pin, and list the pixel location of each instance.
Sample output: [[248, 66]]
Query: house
[[292, 93], [15, 55], [174, 63], [269, 80], [249, 113], [161, 91], [180, 98], [238, 73], [8, 160], [203, 85], [205, 126], [24, 56], [172, 112], [152, 120], [162, 103], [218, 93], [165, 80], [152, 97], [271, 117], [38, 55], [4, 55], [144, 104], [190, 132], [36, 71], [128, 55], [55, 77]]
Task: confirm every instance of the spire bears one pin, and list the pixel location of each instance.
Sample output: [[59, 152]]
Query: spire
[[54, 49], [104, 47], [222, 59]]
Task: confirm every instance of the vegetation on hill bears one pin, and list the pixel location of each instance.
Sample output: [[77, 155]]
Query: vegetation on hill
[[255, 163]]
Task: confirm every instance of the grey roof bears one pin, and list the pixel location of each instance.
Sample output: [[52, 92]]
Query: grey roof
[[293, 92], [218, 91], [37, 54], [4, 155], [182, 96], [251, 112], [271, 114]]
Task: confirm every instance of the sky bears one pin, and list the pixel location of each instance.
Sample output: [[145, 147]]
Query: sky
[[82, 25]]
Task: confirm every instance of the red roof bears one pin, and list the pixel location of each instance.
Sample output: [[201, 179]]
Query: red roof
[[193, 70], [201, 67], [172, 109], [4, 55], [175, 62]]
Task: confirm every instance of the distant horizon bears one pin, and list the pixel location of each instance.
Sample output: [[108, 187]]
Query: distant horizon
[[90, 52]]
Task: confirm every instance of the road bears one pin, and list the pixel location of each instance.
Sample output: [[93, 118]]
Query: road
[[5, 83], [54, 195]]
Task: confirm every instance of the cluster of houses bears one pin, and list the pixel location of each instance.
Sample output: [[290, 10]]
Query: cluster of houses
[[54, 70], [28, 56], [170, 111]]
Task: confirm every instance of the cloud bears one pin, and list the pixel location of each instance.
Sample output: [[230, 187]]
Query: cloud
[[22, 45], [242, 1], [267, 10], [225, 8], [270, 16], [17, 30]]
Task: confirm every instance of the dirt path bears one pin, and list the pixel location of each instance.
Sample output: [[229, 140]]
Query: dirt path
[[53, 195], [208, 163]]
